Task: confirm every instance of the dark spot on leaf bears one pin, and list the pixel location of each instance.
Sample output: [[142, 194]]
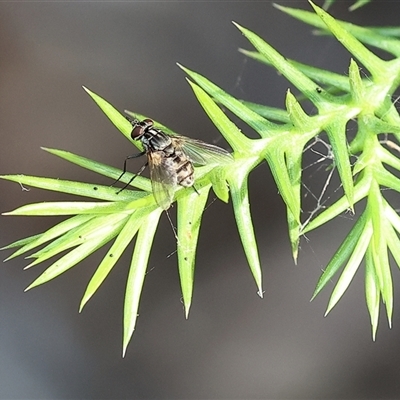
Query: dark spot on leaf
[[95, 188]]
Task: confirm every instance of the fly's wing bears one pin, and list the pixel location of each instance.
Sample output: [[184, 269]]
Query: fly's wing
[[163, 178], [200, 152]]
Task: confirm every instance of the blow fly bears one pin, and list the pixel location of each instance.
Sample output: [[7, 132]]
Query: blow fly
[[171, 159]]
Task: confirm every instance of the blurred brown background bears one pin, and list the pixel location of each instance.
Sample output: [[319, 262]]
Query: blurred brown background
[[234, 344]]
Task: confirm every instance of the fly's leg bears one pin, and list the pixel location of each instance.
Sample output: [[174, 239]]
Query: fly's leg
[[133, 177], [124, 169]]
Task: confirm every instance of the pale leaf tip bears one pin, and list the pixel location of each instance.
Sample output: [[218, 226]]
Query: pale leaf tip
[[82, 305], [187, 312], [278, 6], [236, 24], [31, 264], [124, 348], [329, 308], [354, 7], [28, 288]]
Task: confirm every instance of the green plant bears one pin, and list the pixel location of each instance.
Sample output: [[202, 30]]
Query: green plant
[[357, 4], [283, 136]]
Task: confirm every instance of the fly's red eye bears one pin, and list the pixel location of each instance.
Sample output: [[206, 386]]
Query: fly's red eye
[[137, 131]]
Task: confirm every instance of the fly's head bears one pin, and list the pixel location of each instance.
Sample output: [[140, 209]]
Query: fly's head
[[139, 128]]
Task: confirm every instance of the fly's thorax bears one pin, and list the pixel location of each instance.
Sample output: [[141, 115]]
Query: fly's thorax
[[155, 140]]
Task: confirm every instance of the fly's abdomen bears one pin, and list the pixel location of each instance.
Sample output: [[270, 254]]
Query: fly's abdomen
[[184, 170]]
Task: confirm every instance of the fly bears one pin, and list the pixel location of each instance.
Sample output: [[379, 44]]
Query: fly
[[171, 159]]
